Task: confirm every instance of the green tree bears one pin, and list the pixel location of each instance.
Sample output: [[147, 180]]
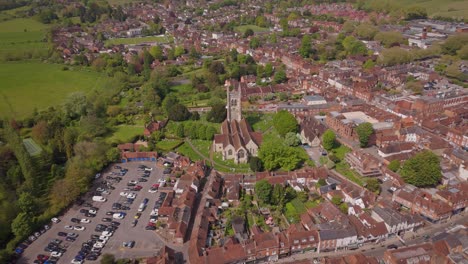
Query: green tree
[[336, 200], [168, 102], [328, 139], [268, 69], [113, 155], [422, 170], [366, 31], [373, 185], [275, 156], [179, 112], [280, 76], [255, 43], [344, 208], [291, 139], [364, 131], [321, 182], [22, 225], [277, 195], [248, 32], [27, 203], [416, 12], [454, 43], [394, 165], [263, 190], [284, 122], [210, 133], [354, 46], [390, 38], [255, 164], [180, 130], [217, 114], [305, 50]]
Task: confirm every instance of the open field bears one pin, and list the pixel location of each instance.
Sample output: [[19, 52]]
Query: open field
[[29, 85], [32, 147], [255, 28], [445, 8], [125, 133], [139, 40], [22, 34]]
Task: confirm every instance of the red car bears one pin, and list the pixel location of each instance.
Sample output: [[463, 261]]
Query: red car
[[42, 257], [137, 188], [156, 185]]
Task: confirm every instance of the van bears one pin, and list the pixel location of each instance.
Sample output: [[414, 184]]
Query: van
[[99, 199], [142, 207]]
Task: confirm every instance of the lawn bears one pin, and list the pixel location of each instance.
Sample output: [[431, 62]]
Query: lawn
[[32, 147], [260, 122], [125, 133], [446, 8], [187, 151], [22, 34], [29, 85], [168, 144], [255, 28], [139, 40], [344, 169]]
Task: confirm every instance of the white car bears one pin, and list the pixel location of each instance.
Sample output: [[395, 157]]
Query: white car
[[162, 180], [107, 233], [100, 189], [85, 221], [103, 239], [75, 261], [152, 220], [56, 254], [153, 190], [99, 199], [133, 182], [79, 228], [69, 227], [98, 245], [148, 169], [55, 220], [91, 211], [131, 195], [106, 192], [118, 216], [125, 194]]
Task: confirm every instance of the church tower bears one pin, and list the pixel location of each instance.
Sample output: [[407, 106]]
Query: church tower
[[234, 111]]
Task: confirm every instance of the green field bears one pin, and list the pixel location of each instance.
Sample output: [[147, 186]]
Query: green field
[[255, 28], [28, 85], [445, 8], [125, 133], [129, 41], [22, 34], [32, 147], [168, 144]]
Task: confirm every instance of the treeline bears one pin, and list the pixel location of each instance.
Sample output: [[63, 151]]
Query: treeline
[[11, 4], [35, 189]]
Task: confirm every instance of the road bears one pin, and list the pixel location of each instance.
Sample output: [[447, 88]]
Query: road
[[147, 242]]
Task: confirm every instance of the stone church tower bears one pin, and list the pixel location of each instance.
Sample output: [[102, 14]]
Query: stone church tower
[[234, 111]]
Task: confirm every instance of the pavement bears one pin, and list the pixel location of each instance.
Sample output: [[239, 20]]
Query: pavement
[[147, 243]]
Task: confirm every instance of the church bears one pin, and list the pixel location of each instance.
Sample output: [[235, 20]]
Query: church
[[237, 141]]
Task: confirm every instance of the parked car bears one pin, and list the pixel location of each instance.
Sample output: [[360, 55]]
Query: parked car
[[55, 220], [85, 221], [129, 244], [99, 199], [62, 234], [107, 219], [79, 228], [69, 227], [120, 215]]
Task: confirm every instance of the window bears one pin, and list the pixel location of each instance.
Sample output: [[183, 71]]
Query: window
[[241, 154], [230, 152]]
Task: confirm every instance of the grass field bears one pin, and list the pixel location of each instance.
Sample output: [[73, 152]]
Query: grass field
[[168, 144], [125, 133], [32, 147], [186, 150], [255, 28], [22, 34], [129, 41], [28, 85]]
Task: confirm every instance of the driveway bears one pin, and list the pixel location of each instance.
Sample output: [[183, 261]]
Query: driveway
[[147, 242]]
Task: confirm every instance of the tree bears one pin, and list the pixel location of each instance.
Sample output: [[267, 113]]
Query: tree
[[275, 156], [321, 182], [373, 185], [217, 68], [156, 52], [27, 203], [210, 133], [306, 47], [255, 164], [180, 131], [390, 38], [168, 102], [248, 32], [40, 132], [336, 200], [255, 43], [422, 170], [268, 69], [277, 195], [344, 208], [107, 259], [284, 122], [113, 155], [364, 131], [179, 112], [328, 139], [22, 225], [354, 46], [291, 139], [454, 43], [394, 165], [263, 190], [280, 76], [416, 12], [366, 31], [217, 114]]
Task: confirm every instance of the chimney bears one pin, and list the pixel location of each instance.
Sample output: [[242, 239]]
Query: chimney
[[424, 33]]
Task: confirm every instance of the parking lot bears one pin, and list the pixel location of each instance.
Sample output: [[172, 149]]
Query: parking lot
[[146, 241]]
